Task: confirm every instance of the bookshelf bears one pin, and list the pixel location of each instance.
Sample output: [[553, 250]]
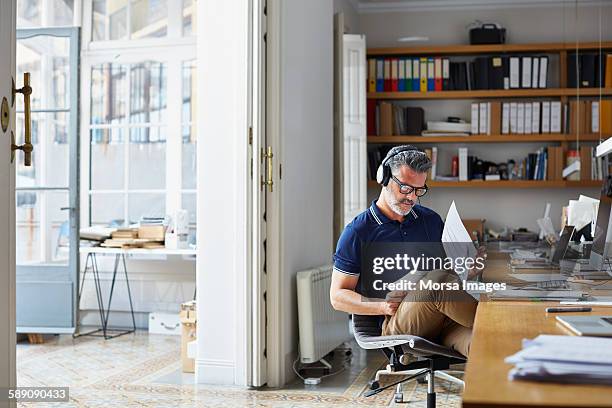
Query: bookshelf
[[562, 93]]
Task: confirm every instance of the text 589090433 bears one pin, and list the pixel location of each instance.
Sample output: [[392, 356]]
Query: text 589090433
[[35, 394]]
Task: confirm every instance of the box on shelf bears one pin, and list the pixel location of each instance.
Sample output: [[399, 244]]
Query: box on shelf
[[155, 232], [164, 323], [188, 318]]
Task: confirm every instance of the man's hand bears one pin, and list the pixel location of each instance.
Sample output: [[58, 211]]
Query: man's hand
[[392, 302], [475, 271]]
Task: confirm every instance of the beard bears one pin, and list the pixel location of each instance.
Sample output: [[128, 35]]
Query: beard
[[396, 205]]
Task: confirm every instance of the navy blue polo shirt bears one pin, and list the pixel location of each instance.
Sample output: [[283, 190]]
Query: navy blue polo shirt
[[373, 226]]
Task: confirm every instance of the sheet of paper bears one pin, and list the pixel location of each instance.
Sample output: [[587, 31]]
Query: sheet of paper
[[455, 238], [538, 277], [579, 213]]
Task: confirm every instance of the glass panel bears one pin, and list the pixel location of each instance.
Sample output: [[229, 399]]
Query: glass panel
[[189, 17], [147, 165], [47, 60], [108, 93], [109, 20], [149, 18], [189, 165], [107, 209], [31, 13], [146, 205], [189, 92], [58, 226], [189, 204], [51, 150], [107, 159], [148, 92], [27, 217]]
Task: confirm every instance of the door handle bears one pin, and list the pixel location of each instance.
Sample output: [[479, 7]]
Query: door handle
[[27, 147], [269, 181], [66, 208]]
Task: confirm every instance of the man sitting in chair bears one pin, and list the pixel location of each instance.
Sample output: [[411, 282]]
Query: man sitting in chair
[[438, 315]]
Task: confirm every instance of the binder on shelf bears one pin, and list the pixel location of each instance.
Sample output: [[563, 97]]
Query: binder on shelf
[[394, 74], [526, 74], [386, 119], [550, 170], [481, 72], [505, 128], [409, 77], [401, 75], [513, 117], [380, 75], [438, 74], [535, 72], [445, 74], [496, 73], [371, 116], [469, 75], [586, 153], [488, 118], [520, 117], [586, 126], [543, 72], [423, 71], [546, 117], [587, 70], [482, 118], [431, 85], [474, 118], [573, 69], [528, 118], [535, 117], [463, 165], [605, 116], [434, 162], [416, 76], [608, 70], [506, 70], [515, 72], [555, 117], [600, 69], [495, 117], [595, 117], [372, 75], [387, 75]]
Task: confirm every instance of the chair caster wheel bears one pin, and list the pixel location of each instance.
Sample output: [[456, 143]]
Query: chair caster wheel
[[399, 398], [422, 380], [373, 385]]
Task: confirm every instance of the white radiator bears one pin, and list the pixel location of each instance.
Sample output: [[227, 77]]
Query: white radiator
[[322, 328]]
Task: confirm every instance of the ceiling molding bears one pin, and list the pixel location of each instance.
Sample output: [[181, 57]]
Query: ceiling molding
[[373, 6]]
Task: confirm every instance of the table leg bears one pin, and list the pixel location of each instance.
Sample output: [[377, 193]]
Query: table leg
[[112, 289], [127, 282]]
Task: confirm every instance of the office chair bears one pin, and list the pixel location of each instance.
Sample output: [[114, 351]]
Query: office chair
[[431, 358]]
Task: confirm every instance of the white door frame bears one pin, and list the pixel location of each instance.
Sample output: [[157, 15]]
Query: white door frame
[[8, 21]]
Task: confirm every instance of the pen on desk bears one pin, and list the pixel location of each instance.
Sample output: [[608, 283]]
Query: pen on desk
[[567, 309]]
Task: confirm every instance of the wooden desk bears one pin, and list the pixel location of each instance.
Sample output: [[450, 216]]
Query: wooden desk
[[499, 329]]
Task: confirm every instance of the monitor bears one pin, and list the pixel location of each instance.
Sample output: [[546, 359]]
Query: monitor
[[562, 244], [603, 233]]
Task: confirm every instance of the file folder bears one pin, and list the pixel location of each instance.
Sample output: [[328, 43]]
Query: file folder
[[505, 129], [446, 74], [520, 118], [496, 73], [380, 75], [401, 83], [474, 124], [513, 117], [535, 72], [371, 75], [438, 74], [394, 74], [423, 71], [526, 74], [546, 117], [543, 72], [506, 69], [528, 118], [535, 117], [409, 78], [515, 71], [387, 75], [431, 86], [416, 76]]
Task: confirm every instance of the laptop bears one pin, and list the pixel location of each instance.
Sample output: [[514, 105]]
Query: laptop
[[588, 325], [559, 252]]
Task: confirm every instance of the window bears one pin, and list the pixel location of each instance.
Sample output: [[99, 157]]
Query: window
[[139, 133], [44, 13]]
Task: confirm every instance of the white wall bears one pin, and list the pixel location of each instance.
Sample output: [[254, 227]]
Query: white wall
[[306, 151], [553, 23], [222, 174]]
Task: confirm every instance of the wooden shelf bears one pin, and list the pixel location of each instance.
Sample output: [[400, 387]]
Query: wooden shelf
[[509, 184], [514, 138], [486, 49], [493, 93]]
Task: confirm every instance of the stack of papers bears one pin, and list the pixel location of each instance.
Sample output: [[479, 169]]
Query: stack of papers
[[563, 359]]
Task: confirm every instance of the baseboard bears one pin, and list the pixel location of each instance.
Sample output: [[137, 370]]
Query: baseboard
[[218, 372]]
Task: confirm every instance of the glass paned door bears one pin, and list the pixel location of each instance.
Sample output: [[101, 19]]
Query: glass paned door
[[47, 196]]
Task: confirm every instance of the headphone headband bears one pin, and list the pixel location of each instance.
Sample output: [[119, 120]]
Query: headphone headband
[[383, 174]]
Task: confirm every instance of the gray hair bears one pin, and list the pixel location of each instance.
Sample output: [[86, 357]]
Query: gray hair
[[415, 159]]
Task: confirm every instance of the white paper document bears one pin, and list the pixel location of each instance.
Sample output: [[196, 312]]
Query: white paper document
[[538, 277], [580, 213], [564, 359], [455, 238]]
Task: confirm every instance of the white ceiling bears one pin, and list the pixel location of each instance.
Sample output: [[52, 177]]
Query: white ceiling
[[380, 6]]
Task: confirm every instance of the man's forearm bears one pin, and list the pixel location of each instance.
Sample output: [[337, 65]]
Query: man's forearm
[[350, 301]]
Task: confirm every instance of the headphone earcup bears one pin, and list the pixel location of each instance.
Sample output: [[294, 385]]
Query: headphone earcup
[[379, 174]]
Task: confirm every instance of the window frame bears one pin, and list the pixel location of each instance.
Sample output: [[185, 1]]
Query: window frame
[[173, 51]]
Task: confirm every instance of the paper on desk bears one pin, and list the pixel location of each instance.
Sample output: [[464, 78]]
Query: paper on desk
[[455, 238], [538, 277], [579, 213], [546, 226]]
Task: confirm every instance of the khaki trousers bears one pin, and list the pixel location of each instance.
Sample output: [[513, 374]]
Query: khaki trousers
[[442, 316]]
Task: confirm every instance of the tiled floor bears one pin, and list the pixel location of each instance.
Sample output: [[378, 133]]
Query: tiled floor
[[143, 370]]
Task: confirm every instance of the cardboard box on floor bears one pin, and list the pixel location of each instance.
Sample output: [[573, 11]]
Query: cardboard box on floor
[[188, 333]]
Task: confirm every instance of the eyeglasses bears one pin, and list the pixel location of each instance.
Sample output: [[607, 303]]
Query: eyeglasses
[[408, 189]]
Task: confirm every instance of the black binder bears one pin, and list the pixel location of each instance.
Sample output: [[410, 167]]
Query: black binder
[[496, 73], [587, 70], [481, 73], [572, 72]]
